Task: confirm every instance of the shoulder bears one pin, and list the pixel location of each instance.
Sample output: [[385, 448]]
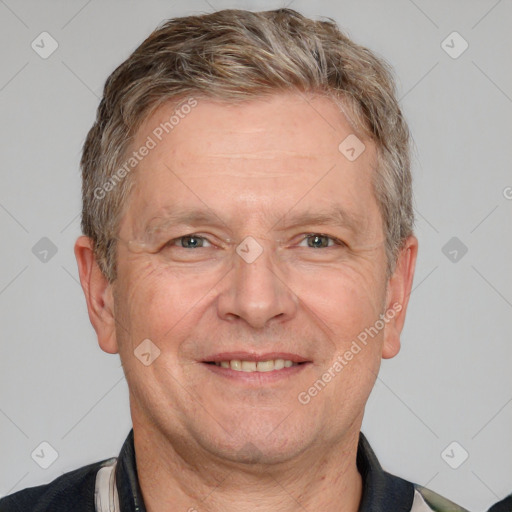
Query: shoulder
[[72, 491], [505, 505], [426, 500], [383, 491]]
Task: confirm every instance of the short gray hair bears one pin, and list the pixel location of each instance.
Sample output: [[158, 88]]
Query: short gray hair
[[237, 55]]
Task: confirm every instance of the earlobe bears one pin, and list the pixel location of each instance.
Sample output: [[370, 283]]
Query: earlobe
[[391, 345], [397, 296], [98, 295]]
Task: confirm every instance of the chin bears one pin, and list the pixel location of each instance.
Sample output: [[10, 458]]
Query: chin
[[258, 444]]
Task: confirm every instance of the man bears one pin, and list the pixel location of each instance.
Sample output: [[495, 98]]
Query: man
[[248, 250]]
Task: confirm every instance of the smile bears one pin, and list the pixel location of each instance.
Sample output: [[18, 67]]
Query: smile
[[256, 366], [256, 373]]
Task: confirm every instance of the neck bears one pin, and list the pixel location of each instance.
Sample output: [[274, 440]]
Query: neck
[[179, 475]]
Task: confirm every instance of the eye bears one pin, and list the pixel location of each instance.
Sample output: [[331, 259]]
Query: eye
[[188, 242], [319, 241]]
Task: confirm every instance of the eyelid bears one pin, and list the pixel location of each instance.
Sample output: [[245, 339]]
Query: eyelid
[[304, 236], [172, 241], [336, 240]]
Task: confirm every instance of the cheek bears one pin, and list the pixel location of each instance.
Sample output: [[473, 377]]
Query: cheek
[[164, 303], [346, 299], [159, 301], [349, 303]]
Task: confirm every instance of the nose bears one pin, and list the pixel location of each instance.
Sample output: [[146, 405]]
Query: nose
[[257, 292]]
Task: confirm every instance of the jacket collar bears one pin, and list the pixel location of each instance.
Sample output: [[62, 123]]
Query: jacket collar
[[127, 482], [381, 490]]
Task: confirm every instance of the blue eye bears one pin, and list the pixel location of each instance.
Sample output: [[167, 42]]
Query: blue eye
[[319, 241], [314, 241], [188, 241]]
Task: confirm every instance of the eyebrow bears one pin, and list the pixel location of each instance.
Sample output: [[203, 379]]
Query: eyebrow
[[336, 215], [182, 216]]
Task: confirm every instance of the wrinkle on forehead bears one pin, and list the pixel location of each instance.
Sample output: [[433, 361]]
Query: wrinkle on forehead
[[264, 154], [283, 153]]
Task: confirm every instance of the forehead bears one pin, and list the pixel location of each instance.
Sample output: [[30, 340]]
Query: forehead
[[296, 125], [264, 155]]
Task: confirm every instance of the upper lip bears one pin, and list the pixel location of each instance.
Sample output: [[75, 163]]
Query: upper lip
[[253, 356]]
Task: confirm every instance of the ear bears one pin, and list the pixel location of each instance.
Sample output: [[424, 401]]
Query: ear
[[397, 296], [98, 294]]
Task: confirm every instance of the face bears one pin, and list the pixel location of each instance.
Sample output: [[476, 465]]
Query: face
[[251, 242]]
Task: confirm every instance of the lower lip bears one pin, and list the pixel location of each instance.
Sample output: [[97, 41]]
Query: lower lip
[[257, 377]]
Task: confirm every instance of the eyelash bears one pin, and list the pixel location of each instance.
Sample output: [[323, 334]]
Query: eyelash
[[336, 241]]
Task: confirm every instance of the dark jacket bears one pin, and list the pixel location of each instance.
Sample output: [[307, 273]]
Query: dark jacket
[[505, 505], [118, 484]]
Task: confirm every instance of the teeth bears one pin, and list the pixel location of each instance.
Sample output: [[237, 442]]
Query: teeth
[[265, 366], [278, 364], [253, 366], [248, 366]]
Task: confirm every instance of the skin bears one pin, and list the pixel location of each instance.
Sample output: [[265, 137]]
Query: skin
[[203, 441]]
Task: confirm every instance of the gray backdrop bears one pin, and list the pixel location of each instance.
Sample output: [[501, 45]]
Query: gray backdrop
[[451, 383]]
